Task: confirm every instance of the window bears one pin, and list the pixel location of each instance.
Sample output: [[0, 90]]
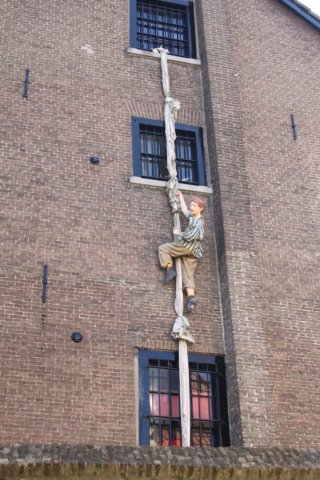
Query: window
[[160, 404], [167, 23], [150, 153]]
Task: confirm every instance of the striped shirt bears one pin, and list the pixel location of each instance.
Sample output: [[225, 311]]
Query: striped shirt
[[192, 235]]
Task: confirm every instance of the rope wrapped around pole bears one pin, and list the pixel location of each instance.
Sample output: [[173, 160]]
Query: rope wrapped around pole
[[180, 329]]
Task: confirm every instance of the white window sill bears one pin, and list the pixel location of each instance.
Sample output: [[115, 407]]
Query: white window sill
[[171, 58], [147, 182]]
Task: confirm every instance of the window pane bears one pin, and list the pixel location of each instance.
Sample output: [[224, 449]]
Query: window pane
[[193, 375], [154, 404], [204, 377], [164, 363], [164, 380], [205, 389], [176, 434], [174, 381], [175, 405], [153, 153], [205, 408], [159, 404], [195, 436], [201, 391], [165, 436], [195, 407], [154, 435], [153, 380], [194, 388], [202, 436], [202, 366], [164, 405], [205, 438], [186, 155]]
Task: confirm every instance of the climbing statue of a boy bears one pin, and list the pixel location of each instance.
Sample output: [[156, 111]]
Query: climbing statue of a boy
[[187, 246]]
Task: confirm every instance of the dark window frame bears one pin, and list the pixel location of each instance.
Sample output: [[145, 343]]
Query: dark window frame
[[219, 395], [185, 4], [136, 122]]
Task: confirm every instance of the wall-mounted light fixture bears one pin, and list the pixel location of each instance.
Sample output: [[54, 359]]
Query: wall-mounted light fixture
[[94, 160], [77, 337]]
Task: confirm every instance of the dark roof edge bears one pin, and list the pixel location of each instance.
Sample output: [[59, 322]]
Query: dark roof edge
[[304, 12]]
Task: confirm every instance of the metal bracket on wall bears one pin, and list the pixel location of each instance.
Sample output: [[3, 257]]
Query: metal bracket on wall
[[294, 127], [44, 283], [26, 84]]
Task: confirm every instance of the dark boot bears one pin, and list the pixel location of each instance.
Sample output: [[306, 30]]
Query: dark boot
[[191, 303], [169, 275]]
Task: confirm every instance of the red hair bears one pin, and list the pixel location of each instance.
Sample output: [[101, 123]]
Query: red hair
[[199, 202]]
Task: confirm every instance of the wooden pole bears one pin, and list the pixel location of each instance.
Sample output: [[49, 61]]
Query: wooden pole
[[181, 326]]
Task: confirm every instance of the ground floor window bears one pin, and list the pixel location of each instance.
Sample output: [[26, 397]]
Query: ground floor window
[[160, 403]]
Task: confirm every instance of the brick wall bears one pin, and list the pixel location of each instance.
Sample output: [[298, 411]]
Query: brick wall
[[278, 71], [259, 71], [97, 232]]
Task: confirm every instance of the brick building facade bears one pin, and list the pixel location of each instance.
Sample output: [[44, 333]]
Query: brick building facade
[[97, 227]]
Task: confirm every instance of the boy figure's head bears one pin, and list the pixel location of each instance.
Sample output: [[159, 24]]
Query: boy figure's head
[[196, 207]]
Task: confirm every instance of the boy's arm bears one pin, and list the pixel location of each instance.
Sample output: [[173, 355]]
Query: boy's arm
[[184, 207]]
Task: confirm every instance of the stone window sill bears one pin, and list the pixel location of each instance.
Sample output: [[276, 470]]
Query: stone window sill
[[147, 182], [171, 58]]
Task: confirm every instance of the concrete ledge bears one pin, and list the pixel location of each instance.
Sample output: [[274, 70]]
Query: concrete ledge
[[109, 462], [162, 184], [171, 58]]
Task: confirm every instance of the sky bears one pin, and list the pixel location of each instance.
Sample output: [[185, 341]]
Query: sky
[[314, 5]]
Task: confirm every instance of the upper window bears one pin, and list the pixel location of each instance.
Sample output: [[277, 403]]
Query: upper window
[[162, 22], [160, 422], [150, 152]]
